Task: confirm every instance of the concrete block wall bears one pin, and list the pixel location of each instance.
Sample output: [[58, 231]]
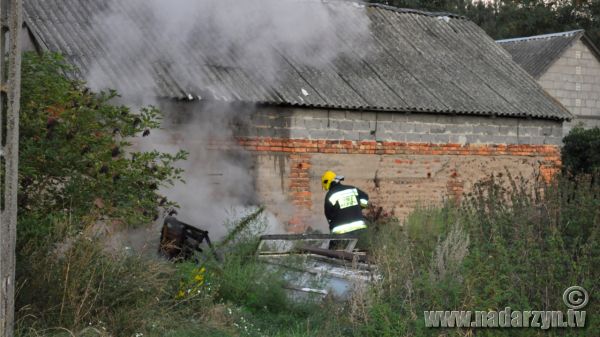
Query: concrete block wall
[[399, 127], [574, 79]]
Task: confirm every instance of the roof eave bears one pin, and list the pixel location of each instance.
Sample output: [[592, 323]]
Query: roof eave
[[568, 116], [40, 45]]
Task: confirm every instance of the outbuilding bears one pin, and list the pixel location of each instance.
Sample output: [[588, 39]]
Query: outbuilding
[[567, 66], [414, 110]]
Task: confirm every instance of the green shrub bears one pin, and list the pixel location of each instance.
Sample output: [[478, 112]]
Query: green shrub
[[76, 167], [239, 277], [75, 173], [244, 280], [581, 151]]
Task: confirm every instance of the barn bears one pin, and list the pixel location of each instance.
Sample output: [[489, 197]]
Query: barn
[[411, 106], [567, 66]]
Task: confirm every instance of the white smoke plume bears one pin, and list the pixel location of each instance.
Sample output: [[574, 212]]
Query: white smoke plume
[[218, 185], [149, 38]]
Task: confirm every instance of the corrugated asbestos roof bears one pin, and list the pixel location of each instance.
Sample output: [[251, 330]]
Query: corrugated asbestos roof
[[537, 53], [418, 61]]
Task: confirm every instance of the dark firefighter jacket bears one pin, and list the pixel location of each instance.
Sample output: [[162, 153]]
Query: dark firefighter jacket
[[343, 208]]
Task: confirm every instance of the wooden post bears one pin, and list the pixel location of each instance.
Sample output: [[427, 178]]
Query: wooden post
[[11, 20]]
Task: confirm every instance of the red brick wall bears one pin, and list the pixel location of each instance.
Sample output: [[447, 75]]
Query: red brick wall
[[299, 190], [551, 152], [423, 162]]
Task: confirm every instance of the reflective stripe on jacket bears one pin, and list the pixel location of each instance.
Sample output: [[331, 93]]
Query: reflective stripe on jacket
[[350, 227], [343, 206]]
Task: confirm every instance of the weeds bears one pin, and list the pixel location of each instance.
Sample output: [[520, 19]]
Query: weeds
[[84, 288], [519, 244], [449, 255], [508, 244]]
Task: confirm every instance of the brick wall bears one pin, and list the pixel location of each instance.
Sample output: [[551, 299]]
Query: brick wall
[[402, 160], [398, 176], [574, 80]]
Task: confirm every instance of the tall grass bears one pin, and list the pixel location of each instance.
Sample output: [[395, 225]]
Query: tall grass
[[81, 287], [78, 288], [510, 243]]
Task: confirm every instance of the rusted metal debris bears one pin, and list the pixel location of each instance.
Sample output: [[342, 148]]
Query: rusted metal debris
[[179, 240], [335, 254]]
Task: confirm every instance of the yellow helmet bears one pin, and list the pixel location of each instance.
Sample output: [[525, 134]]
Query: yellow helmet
[[327, 178]]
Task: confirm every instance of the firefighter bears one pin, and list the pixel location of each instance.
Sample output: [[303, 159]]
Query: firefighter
[[343, 205]]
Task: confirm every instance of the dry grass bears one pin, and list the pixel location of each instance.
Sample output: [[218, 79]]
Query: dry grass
[[449, 254], [81, 287]]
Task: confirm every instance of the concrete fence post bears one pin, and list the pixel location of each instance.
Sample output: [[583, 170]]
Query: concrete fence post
[[11, 21]]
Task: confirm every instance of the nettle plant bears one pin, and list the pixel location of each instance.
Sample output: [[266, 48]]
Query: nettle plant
[[76, 164]]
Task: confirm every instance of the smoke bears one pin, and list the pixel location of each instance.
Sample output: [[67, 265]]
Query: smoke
[[159, 43], [161, 47], [218, 184]]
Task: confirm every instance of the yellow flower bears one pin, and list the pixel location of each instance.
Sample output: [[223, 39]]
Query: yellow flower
[[199, 278]]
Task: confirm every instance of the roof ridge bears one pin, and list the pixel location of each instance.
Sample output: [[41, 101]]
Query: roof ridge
[[399, 9], [413, 11], [542, 36]]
